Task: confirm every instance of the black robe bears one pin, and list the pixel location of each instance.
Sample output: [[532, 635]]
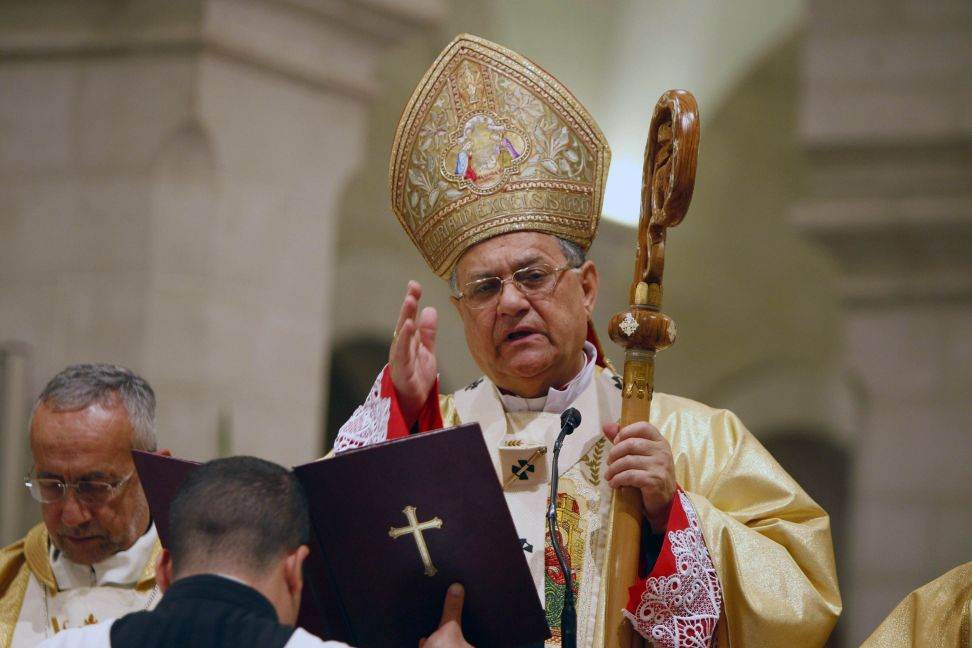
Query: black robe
[[204, 610]]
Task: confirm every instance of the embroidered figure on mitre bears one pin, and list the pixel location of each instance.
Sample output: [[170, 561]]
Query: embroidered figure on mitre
[[483, 152]]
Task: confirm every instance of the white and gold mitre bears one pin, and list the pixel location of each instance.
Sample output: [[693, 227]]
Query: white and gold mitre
[[490, 143]]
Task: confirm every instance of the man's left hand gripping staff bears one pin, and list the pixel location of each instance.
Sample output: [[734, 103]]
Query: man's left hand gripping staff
[[642, 458]]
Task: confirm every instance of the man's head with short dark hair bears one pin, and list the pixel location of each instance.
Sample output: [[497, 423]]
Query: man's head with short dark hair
[[245, 518], [242, 513]]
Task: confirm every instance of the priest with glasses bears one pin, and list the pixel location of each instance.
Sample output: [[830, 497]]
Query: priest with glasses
[[734, 551], [93, 557]]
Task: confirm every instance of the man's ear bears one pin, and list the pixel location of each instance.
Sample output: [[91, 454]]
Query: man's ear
[[163, 570], [164, 452], [294, 569], [589, 284]]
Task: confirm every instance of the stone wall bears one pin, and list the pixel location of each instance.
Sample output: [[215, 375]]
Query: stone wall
[[169, 179], [886, 121]]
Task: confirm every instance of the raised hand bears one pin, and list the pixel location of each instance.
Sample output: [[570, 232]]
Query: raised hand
[[642, 458], [412, 354]]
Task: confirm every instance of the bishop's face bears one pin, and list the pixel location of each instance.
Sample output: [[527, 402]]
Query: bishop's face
[[92, 443], [526, 345]]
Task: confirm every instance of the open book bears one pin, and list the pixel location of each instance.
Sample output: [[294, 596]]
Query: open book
[[394, 524]]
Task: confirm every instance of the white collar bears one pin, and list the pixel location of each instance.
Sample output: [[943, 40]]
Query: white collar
[[556, 400], [124, 568]]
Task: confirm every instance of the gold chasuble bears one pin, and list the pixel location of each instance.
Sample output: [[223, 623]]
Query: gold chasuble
[[935, 615], [42, 593]]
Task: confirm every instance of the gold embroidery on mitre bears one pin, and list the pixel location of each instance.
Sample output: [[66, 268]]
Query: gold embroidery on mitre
[[490, 143]]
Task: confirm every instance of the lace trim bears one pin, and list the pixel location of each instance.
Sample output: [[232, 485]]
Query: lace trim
[[682, 609], [368, 424]]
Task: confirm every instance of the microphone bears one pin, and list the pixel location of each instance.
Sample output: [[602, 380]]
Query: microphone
[[571, 418], [569, 421]]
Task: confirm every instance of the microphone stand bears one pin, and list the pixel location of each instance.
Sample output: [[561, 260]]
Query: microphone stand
[[569, 421]]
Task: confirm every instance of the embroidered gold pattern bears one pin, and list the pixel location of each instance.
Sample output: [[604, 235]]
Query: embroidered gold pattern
[[593, 460]]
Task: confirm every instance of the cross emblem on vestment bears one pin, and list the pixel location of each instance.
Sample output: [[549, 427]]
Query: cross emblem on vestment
[[521, 467], [416, 528]]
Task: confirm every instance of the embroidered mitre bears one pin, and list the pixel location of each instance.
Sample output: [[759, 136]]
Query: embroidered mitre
[[490, 143]]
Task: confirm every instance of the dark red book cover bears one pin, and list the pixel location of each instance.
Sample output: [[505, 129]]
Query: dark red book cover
[[161, 478], [392, 589]]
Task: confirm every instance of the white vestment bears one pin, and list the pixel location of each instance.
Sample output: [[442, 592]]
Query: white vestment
[[87, 594]]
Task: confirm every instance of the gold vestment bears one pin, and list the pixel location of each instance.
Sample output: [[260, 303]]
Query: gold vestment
[[935, 615]]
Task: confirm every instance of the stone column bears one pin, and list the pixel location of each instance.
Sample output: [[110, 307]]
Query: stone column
[[887, 125], [169, 175], [17, 510]]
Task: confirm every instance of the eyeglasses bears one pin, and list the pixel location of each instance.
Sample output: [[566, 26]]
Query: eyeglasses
[[47, 490], [533, 281]]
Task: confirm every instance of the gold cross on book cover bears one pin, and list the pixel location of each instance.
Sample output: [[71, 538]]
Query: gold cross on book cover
[[443, 486], [415, 528]]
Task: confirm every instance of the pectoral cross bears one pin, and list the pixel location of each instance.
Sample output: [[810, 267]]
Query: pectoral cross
[[416, 528]]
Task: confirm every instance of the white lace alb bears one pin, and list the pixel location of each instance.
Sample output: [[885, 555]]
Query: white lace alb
[[368, 424]]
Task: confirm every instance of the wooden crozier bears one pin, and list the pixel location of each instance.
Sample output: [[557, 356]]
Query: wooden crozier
[[666, 191]]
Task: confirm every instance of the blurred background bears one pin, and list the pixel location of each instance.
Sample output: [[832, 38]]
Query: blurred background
[[197, 189]]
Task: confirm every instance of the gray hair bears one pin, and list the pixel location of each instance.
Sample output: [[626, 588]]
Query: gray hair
[[81, 385], [572, 252]]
